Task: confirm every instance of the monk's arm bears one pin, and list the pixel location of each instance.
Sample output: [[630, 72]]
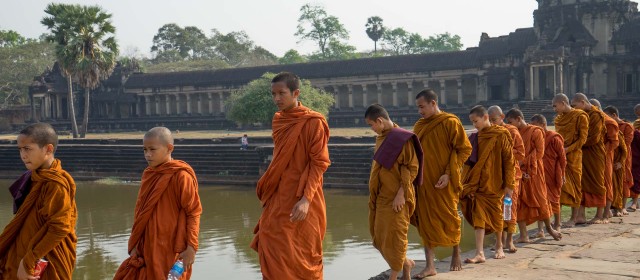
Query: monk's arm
[[461, 144], [538, 141], [408, 162], [190, 203], [583, 133], [56, 211], [508, 164], [612, 137], [624, 152], [558, 145], [628, 135], [318, 157], [518, 148]]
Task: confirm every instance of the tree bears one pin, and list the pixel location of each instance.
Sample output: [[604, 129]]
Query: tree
[[86, 48], [443, 42], [396, 40], [336, 51], [10, 38], [291, 57], [402, 42], [253, 104], [375, 30], [174, 43], [233, 47], [316, 25]]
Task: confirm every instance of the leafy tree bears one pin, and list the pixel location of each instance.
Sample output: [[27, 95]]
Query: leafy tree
[[375, 30], [291, 57], [86, 47], [316, 25], [10, 38], [253, 104], [233, 47], [396, 40], [260, 56], [185, 65], [402, 42], [443, 42], [174, 43], [336, 51]]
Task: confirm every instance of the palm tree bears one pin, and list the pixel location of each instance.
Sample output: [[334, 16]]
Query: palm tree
[[89, 51], [375, 30]]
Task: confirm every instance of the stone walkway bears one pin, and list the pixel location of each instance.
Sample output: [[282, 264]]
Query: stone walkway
[[609, 251]]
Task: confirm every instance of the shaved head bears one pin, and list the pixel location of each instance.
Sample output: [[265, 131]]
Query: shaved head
[[561, 103], [581, 101], [538, 119], [558, 98], [42, 134], [495, 115], [595, 102], [636, 110], [161, 133], [495, 110]]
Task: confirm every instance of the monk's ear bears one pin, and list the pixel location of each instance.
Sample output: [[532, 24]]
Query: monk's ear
[[170, 147], [49, 148], [296, 93]]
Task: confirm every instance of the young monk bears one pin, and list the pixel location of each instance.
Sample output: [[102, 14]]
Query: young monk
[[555, 162], [610, 145], [635, 161], [395, 172], [496, 117], [593, 162], [289, 234], [44, 225], [487, 175], [167, 214], [627, 132], [573, 125], [445, 147], [534, 205]]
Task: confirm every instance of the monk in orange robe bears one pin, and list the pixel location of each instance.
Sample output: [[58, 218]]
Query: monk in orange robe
[[635, 162], [166, 223], [496, 117], [44, 225], [534, 205], [289, 234], [627, 131], [446, 147], [487, 175], [573, 125], [610, 145], [395, 172], [594, 158], [619, 161], [555, 163]]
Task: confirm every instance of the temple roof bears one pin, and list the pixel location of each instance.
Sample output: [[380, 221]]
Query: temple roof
[[629, 32], [515, 43]]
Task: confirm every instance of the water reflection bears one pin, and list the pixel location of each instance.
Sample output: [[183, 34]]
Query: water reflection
[[106, 215]]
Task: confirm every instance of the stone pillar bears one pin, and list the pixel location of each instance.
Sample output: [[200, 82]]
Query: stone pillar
[[33, 108], [394, 87], [410, 96], [157, 99], [147, 105], [350, 90], [379, 91], [560, 79], [531, 83], [210, 103], [513, 88], [178, 109], [365, 104], [336, 96], [168, 103], [443, 91], [138, 107], [199, 104], [460, 101], [58, 106], [221, 95], [189, 104], [585, 83]]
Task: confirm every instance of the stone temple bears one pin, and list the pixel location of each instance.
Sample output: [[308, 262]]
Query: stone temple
[[590, 46]]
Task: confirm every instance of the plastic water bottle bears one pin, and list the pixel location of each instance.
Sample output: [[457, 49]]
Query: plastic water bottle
[[507, 208], [176, 271]]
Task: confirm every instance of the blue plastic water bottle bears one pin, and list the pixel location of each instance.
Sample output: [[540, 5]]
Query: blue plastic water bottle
[[176, 271], [507, 208]]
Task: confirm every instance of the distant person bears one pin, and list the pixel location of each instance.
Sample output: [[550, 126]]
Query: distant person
[[289, 234], [167, 214], [446, 147], [626, 129], [244, 142], [635, 161], [611, 143], [44, 225], [395, 172], [488, 176]]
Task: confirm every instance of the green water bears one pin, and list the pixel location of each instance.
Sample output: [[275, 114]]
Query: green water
[[230, 213]]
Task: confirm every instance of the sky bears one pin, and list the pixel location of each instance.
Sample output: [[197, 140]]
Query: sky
[[272, 23]]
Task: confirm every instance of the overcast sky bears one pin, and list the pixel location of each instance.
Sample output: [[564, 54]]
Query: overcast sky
[[272, 23]]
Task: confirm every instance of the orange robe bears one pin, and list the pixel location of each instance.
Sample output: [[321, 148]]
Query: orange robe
[[611, 143], [389, 229], [293, 250], [534, 205], [574, 128], [485, 182], [166, 220], [555, 162], [518, 156], [44, 226], [627, 130], [594, 161], [620, 156], [446, 147]]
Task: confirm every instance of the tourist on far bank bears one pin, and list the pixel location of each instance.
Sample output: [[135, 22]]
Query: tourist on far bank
[[40, 241], [395, 172], [289, 234], [626, 129], [446, 147], [166, 224], [488, 176], [244, 142]]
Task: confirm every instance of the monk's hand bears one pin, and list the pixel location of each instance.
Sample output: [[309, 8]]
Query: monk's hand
[[442, 182], [618, 165], [188, 257], [300, 210], [509, 192], [564, 180], [526, 176], [134, 252], [23, 274], [398, 201]]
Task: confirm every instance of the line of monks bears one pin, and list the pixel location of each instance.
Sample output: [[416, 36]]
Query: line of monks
[[420, 177]]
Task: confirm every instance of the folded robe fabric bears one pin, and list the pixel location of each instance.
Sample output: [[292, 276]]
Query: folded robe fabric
[[555, 163], [574, 128]]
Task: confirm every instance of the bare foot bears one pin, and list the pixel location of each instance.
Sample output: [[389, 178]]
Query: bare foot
[[608, 214], [511, 248], [580, 221], [624, 212], [426, 272], [406, 269], [557, 228], [596, 221], [476, 259], [523, 240], [569, 224], [632, 208], [499, 254], [556, 235], [456, 262], [539, 234]]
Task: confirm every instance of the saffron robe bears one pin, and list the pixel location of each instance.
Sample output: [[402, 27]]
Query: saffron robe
[[620, 156], [389, 229], [511, 226], [611, 143], [43, 227], [484, 183], [555, 162], [573, 126], [534, 205], [446, 147], [166, 221], [293, 250], [627, 130], [594, 161], [635, 161]]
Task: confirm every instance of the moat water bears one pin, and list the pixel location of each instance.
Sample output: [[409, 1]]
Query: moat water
[[105, 216]]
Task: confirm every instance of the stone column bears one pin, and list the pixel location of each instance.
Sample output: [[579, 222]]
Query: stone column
[[147, 105], [221, 95], [364, 96], [394, 87], [336, 96], [560, 79], [178, 109], [189, 104], [443, 91], [379, 91], [199, 104], [460, 101], [33, 108], [350, 90], [168, 102], [157, 99], [210, 103], [138, 107], [531, 83], [58, 106], [410, 96]]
